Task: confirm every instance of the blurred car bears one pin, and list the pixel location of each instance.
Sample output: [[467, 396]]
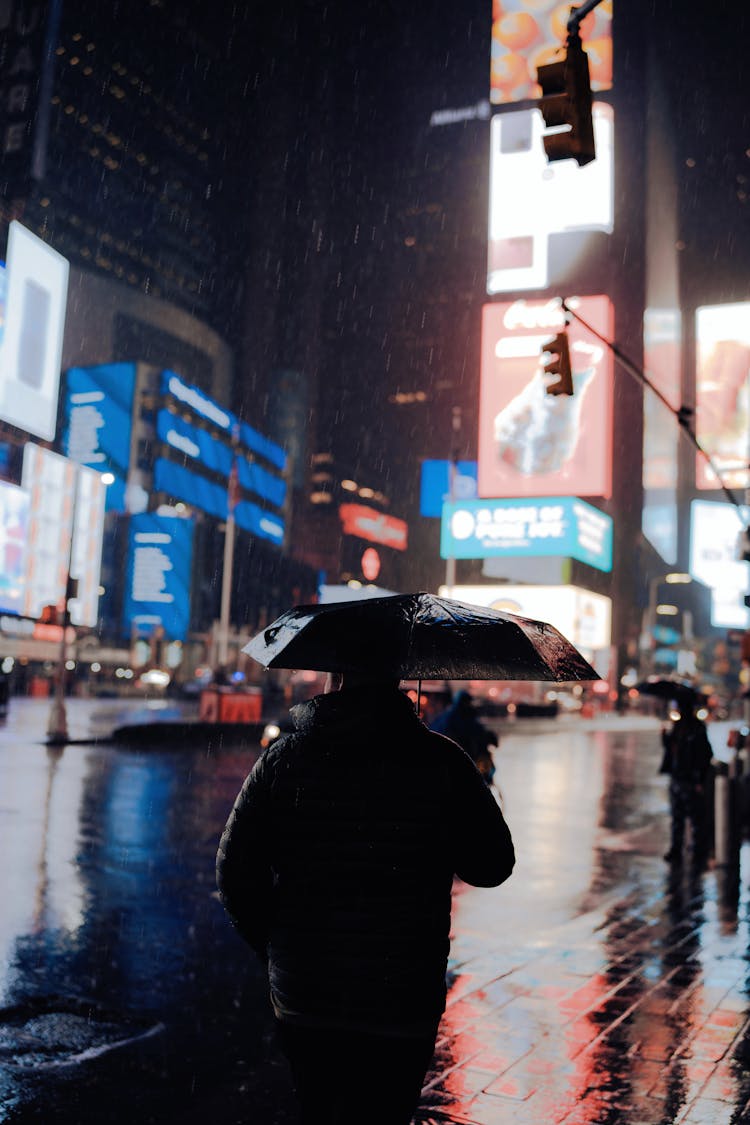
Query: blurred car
[[274, 729], [154, 678]]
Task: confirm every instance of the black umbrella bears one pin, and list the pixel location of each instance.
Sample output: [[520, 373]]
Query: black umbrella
[[670, 689], [418, 636]]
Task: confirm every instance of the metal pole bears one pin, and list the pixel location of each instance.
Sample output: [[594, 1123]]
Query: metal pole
[[226, 590], [450, 562], [57, 725]]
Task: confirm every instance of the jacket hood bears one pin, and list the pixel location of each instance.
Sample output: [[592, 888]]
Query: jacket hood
[[340, 714]]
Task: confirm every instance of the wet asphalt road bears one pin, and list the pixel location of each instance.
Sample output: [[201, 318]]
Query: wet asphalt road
[[126, 996]]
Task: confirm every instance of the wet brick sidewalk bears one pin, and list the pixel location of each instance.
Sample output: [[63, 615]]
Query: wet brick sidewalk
[[637, 1012]]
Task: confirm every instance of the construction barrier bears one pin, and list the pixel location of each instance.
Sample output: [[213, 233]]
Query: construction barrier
[[227, 705]]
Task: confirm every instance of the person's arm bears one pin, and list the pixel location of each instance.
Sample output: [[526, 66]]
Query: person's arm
[[243, 871], [483, 848]]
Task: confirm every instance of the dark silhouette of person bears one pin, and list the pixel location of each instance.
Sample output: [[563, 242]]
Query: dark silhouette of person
[[336, 866], [687, 760], [460, 723]]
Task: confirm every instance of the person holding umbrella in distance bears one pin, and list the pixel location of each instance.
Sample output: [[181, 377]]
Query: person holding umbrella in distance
[[337, 861]]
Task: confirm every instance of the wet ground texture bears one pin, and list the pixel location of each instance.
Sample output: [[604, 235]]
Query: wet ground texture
[[599, 985]]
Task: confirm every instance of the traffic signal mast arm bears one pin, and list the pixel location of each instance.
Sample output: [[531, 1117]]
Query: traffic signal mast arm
[[577, 14], [683, 415]]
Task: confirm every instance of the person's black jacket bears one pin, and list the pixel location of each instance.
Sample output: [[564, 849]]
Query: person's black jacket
[[687, 752], [338, 858]]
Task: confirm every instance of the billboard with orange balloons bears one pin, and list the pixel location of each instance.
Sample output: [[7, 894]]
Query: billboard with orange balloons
[[526, 34]]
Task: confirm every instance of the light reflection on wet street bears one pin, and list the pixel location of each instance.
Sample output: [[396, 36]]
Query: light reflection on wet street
[[595, 986]]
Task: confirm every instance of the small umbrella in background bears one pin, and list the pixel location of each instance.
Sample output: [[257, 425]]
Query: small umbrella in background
[[675, 690], [418, 636]]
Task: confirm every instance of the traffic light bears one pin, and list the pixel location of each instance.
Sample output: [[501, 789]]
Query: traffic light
[[566, 100], [559, 349]]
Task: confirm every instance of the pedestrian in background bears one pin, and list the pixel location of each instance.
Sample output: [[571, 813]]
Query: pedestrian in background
[[460, 723], [336, 866], [687, 760]]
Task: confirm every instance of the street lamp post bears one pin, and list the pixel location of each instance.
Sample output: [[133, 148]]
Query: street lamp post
[[651, 611]]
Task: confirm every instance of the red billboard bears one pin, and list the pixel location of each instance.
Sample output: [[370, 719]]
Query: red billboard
[[366, 523], [532, 443]]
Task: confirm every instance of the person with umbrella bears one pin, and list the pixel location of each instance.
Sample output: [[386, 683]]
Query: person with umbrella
[[687, 761], [460, 723], [338, 858]]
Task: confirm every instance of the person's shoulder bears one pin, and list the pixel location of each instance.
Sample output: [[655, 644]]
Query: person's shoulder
[[445, 746]]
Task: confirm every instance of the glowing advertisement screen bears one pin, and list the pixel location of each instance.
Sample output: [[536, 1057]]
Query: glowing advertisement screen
[[435, 485], [196, 400], [533, 202], [526, 35], [584, 618], [722, 393], [532, 443], [181, 483], [480, 529], [662, 335], [98, 409], [32, 342], [714, 529], [58, 489], [157, 589], [14, 529]]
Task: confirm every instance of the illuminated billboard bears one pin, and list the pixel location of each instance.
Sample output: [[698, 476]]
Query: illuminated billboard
[[52, 481], [528, 35], [435, 485], [32, 341], [481, 529], [14, 520], [377, 527], [181, 483], [197, 401], [714, 530], [584, 618], [97, 425], [532, 443], [157, 588], [722, 393], [532, 202], [662, 353]]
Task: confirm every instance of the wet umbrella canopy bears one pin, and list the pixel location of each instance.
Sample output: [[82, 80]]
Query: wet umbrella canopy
[[670, 689], [418, 636]]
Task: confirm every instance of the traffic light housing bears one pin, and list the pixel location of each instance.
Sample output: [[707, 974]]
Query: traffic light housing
[[559, 349], [566, 100]]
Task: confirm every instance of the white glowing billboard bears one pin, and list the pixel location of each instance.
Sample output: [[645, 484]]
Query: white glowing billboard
[[722, 393], [52, 482], [584, 618], [31, 348], [714, 530], [532, 202]]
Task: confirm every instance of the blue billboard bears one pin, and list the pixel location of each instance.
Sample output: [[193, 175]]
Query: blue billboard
[[435, 485], [201, 404], [561, 525], [181, 483], [98, 409], [157, 582]]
